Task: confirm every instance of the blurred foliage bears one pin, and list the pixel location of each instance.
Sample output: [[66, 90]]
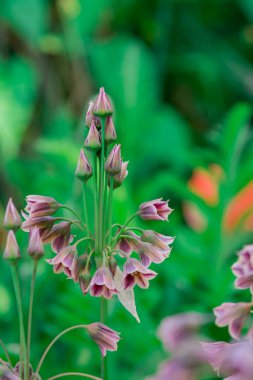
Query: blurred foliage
[[180, 73]]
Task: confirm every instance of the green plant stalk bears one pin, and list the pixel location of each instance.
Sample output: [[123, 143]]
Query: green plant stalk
[[6, 353], [29, 328], [101, 186], [72, 211], [23, 350], [116, 238], [110, 201], [86, 215], [95, 202], [53, 342], [75, 374]]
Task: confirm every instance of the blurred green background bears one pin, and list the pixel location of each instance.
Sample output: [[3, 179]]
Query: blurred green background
[[180, 74]]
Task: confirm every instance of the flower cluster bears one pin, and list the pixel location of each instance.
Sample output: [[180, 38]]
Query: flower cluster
[[234, 360]]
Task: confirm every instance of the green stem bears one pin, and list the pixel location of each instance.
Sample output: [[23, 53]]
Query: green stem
[[75, 222], [116, 237], [75, 374], [83, 239], [23, 352], [72, 211], [88, 260], [86, 215], [103, 317], [29, 328], [110, 210], [95, 202], [101, 185], [6, 352], [53, 342]]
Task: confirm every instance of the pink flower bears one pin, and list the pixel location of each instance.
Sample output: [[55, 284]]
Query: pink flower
[[175, 331], [175, 370], [102, 106], [149, 253], [155, 210], [102, 283], [158, 240], [38, 206], [128, 244], [58, 235], [218, 356], [234, 315], [42, 222], [12, 219], [105, 337], [65, 261], [136, 273], [243, 268], [12, 251], [35, 248]]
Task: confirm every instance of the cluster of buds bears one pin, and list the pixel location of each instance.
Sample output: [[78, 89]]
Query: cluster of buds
[[234, 359]]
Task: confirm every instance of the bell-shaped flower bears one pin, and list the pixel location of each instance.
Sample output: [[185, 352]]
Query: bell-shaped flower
[[120, 177], [233, 315], [157, 240], [113, 162], [93, 141], [110, 132], [135, 273], [43, 222], [127, 244], [102, 283], [64, 261], [106, 338], [155, 210], [102, 105], [12, 251], [83, 169], [38, 206], [58, 236], [243, 269], [149, 253], [35, 247], [12, 219]]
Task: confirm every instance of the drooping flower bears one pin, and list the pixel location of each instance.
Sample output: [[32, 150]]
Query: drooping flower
[[64, 261], [175, 330], [39, 206], [83, 169], [158, 240], [128, 244], [110, 133], [12, 219], [175, 369], [218, 356], [135, 273], [58, 236], [12, 251], [35, 247], [102, 283], [43, 222], [119, 178], [102, 105], [243, 269], [155, 210], [106, 338], [233, 315], [93, 141], [113, 162], [150, 253]]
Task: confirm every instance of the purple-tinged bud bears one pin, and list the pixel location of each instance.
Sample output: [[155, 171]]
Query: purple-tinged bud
[[35, 247], [83, 169], [84, 282], [93, 141], [113, 162], [155, 210], [105, 337], [12, 251], [12, 219], [39, 205], [112, 265], [89, 114], [119, 178], [102, 106], [110, 132]]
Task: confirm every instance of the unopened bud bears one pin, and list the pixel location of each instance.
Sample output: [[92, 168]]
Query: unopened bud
[[12, 219], [102, 106], [112, 265], [12, 251], [35, 248], [93, 141], [110, 133], [83, 169], [119, 178], [113, 162], [84, 281], [89, 115]]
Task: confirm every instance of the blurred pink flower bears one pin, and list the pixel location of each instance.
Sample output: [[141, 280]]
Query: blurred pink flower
[[38, 205], [135, 273], [12, 219], [106, 338], [102, 283], [155, 210], [234, 315], [174, 331], [65, 261], [243, 268], [174, 370]]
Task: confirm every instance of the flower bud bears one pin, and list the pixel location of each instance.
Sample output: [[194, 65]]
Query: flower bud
[[102, 106], [89, 115], [93, 141], [35, 247], [12, 219], [113, 162], [112, 265], [110, 133], [83, 169], [12, 251], [119, 178], [84, 282]]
